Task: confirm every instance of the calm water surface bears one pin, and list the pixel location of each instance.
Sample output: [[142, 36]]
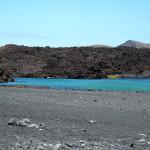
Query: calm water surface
[[82, 84]]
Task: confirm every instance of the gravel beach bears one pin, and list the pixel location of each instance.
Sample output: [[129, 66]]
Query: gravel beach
[[74, 119]]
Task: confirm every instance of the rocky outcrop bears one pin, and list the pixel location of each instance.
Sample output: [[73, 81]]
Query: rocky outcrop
[[5, 75]]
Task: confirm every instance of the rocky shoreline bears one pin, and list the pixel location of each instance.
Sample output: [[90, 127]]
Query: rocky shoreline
[[5, 75]]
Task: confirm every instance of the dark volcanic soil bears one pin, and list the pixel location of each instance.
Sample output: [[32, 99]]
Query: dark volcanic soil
[[75, 62], [73, 116]]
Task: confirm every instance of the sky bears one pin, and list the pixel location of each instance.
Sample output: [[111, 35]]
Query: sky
[[63, 23]]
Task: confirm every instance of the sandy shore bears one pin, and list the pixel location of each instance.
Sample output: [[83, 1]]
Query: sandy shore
[[123, 117]]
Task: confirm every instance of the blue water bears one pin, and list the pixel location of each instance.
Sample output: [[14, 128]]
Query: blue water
[[82, 84]]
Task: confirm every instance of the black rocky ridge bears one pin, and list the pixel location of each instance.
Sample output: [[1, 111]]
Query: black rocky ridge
[[75, 62]]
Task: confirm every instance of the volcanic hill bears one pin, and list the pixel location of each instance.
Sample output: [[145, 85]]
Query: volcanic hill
[[75, 62]]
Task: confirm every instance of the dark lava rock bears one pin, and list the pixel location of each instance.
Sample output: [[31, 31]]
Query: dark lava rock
[[75, 62], [5, 75], [132, 145]]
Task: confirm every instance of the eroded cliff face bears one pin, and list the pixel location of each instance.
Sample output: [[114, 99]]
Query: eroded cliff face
[[75, 62], [5, 75]]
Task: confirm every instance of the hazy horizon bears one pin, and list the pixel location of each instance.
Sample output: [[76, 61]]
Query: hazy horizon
[[68, 23]]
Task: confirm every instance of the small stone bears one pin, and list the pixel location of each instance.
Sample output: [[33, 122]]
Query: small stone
[[41, 125], [84, 130], [95, 100], [20, 123], [23, 122], [40, 147], [92, 121], [12, 122], [81, 141], [40, 129], [83, 145], [57, 146], [33, 125], [142, 140], [27, 121], [132, 145], [69, 144]]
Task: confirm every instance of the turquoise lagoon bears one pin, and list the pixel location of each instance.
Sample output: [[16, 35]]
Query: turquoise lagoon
[[85, 84]]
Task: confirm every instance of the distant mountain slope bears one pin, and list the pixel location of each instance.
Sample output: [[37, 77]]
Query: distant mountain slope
[[98, 46], [74, 62], [135, 44]]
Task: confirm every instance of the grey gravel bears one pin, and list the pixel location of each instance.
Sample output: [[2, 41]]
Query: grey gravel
[[64, 115]]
